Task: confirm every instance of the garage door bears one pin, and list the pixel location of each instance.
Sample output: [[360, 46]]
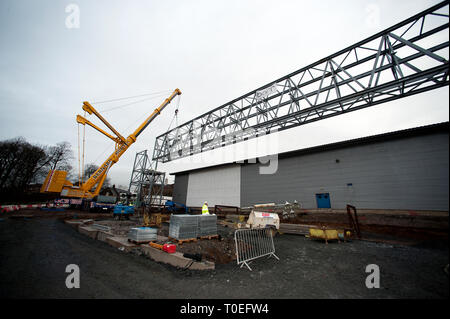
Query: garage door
[[218, 186]]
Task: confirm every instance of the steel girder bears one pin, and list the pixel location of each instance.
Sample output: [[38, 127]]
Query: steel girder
[[406, 59]]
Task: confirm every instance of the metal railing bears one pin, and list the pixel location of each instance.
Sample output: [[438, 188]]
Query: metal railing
[[252, 244], [353, 219]]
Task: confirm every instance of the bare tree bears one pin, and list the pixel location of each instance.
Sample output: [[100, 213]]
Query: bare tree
[[19, 162], [58, 157], [22, 163]]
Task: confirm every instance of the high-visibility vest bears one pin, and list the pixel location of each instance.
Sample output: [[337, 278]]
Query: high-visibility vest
[[205, 209]]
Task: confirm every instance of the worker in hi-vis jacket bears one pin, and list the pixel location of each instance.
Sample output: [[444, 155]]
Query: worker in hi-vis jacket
[[205, 210]]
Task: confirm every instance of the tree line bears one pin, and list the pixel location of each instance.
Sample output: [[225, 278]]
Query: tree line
[[23, 163]]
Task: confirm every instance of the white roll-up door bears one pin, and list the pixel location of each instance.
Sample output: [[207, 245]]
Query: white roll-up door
[[217, 186]]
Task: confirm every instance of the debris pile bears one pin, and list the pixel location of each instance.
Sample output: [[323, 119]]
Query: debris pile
[[218, 251]]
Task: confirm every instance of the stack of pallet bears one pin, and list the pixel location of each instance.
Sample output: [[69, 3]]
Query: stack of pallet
[[142, 234], [192, 226], [207, 225], [183, 226]]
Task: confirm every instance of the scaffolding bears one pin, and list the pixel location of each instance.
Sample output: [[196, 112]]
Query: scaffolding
[[146, 182]]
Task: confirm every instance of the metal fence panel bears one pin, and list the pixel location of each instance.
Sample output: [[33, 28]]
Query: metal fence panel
[[253, 243]]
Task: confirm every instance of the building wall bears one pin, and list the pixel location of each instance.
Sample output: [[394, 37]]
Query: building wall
[[180, 188], [217, 186], [407, 173]]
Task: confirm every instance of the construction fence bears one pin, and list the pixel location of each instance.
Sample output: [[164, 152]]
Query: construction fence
[[252, 244]]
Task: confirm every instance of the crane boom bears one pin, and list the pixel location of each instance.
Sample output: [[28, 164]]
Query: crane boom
[[56, 180]]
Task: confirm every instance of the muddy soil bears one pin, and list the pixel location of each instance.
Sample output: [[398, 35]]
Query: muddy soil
[[387, 231], [220, 250]]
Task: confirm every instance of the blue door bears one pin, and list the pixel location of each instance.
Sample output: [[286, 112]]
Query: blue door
[[323, 200]]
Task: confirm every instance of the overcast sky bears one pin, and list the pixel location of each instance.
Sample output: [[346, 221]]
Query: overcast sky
[[213, 51]]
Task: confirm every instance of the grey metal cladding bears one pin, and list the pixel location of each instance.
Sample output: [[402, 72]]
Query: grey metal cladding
[[180, 188], [407, 173], [219, 185]]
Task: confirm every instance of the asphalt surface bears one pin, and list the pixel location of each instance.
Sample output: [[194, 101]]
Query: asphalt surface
[[34, 254]]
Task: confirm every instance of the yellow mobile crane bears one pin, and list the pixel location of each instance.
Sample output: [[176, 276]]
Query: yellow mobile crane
[[56, 182]]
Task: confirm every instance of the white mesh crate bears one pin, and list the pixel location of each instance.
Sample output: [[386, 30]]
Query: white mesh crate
[[183, 226], [143, 234], [207, 225]]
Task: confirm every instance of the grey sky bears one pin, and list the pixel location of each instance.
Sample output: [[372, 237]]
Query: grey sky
[[213, 51]]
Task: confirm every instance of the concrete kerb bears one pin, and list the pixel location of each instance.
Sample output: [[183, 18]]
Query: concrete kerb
[[121, 243], [103, 235], [89, 231], [73, 223], [78, 222], [175, 259], [88, 221]]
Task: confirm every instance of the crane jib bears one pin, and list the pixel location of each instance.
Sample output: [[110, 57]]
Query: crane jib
[[147, 123], [66, 188], [101, 170], [108, 163], [152, 117], [157, 111]]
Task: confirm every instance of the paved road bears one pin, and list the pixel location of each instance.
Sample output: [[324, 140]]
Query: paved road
[[34, 254]]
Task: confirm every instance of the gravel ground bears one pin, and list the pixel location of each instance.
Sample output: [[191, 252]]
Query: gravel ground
[[35, 252]]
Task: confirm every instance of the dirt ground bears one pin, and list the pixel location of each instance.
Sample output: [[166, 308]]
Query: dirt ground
[[120, 227], [223, 250], [407, 227], [220, 250], [382, 232], [35, 252], [64, 214]]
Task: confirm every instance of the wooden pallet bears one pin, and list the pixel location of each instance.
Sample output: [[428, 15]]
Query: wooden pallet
[[209, 237], [140, 242], [181, 241]]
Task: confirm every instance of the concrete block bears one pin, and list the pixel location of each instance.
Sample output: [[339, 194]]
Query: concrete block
[[103, 235], [176, 259], [73, 223], [88, 221], [89, 231], [120, 242]]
